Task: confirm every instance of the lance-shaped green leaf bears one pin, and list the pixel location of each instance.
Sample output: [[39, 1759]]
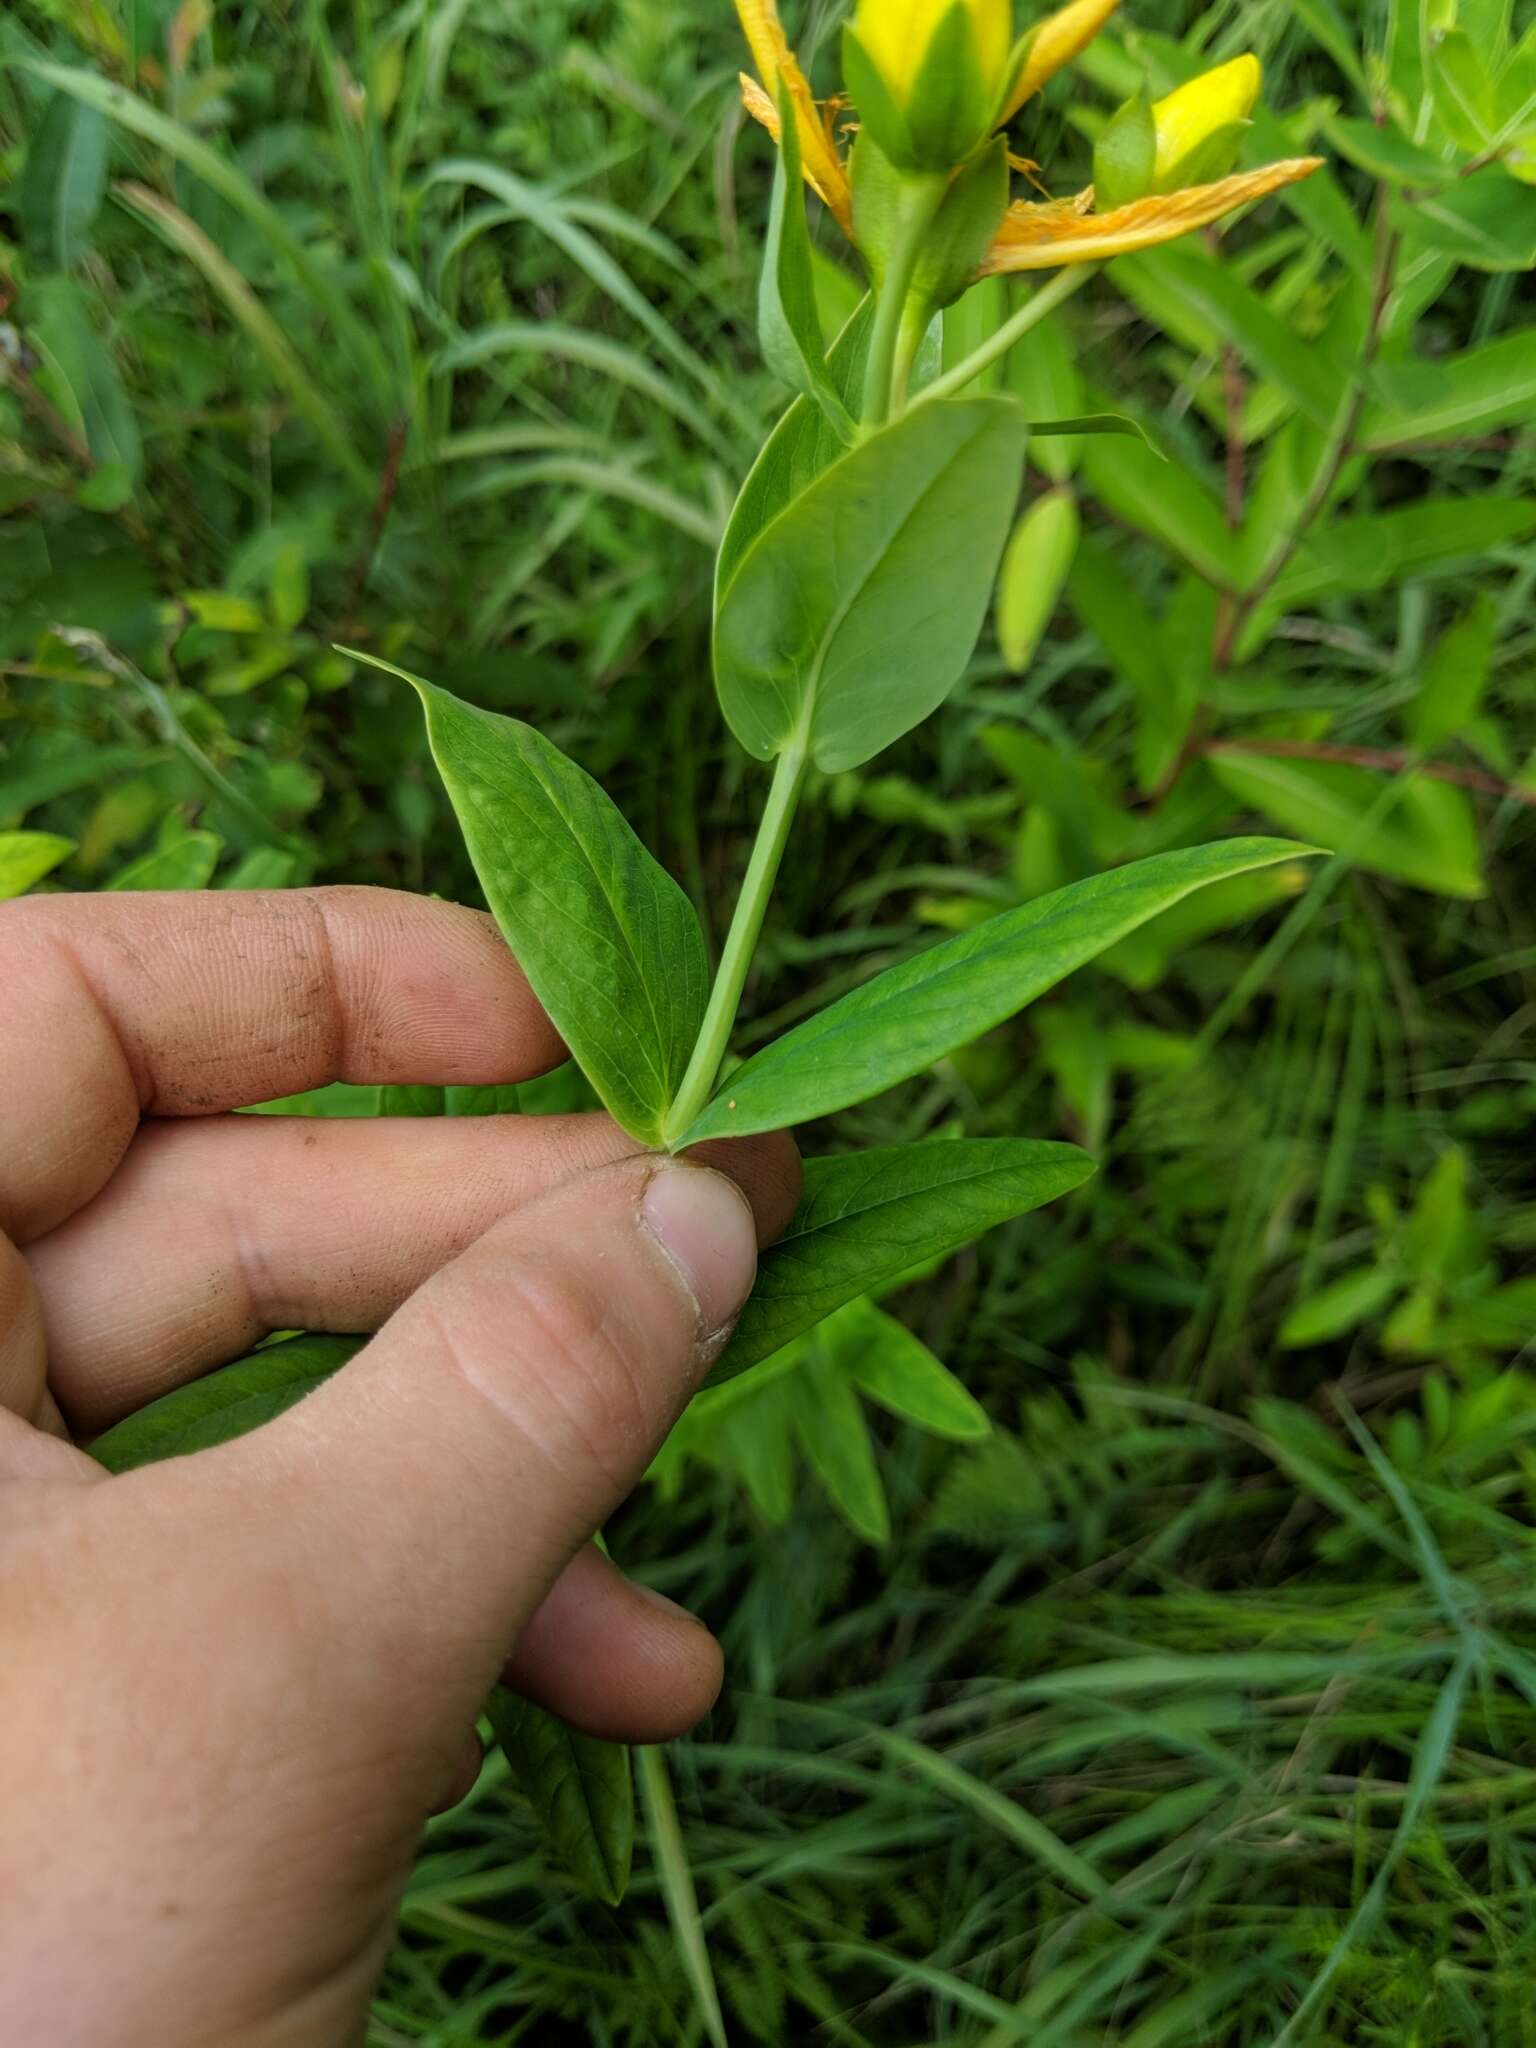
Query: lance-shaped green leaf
[[835, 1439], [1415, 829], [1093, 423], [868, 1217], [224, 1404], [187, 864], [1487, 220], [610, 944], [918, 1011], [788, 324], [854, 613], [25, 857], [579, 1786], [886, 1361]]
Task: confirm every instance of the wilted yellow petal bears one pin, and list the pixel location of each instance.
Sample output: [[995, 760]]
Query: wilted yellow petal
[[1057, 41], [766, 39], [1047, 237], [775, 60], [830, 181]]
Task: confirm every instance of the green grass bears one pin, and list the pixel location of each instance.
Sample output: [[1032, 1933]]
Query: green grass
[[1198, 1704]]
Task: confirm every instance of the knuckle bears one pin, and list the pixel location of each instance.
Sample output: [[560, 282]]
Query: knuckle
[[568, 1369]]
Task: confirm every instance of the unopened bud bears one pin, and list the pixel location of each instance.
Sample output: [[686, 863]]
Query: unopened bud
[[929, 76], [1199, 127]]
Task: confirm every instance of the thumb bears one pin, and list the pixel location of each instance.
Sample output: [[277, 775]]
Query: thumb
[[415, 1510]]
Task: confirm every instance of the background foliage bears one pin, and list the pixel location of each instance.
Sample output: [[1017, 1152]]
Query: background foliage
[[1194, 1699]]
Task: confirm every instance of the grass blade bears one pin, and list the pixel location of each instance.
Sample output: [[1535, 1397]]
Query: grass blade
[[231, 183], [188, 238], [666, 1839]]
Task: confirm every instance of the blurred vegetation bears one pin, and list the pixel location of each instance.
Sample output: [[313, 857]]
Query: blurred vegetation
[[1196, 1701]]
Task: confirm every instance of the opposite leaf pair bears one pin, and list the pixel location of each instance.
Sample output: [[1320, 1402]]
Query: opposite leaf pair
[[614, 951]]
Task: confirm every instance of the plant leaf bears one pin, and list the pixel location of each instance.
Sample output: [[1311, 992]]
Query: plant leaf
[[1386, 153], [1372, 549], [854, 614], [1041, 369], [1463, 89], [892, 1366], [224, 1404], [756, 1439], [1143, 651], [79, 373], [925, 1007], [1163, 500], [610, 944], [1333, 1311], [59, 193], [835, 1439], [1096, 423], [25, 857], [1428, 837], [1455, 676], [187, 864], [800, 447], [579, 1786], [866, 1218], [1208, 287], [1493, 385], [1487, 221]]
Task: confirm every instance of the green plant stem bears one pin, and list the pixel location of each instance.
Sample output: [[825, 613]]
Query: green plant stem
[[1046, 300], [1338, 449], [920, 201], [740, 941], [909, 339]]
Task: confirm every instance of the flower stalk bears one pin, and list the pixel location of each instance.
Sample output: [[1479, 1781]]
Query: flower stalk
[[893, 338], [1014, 328]]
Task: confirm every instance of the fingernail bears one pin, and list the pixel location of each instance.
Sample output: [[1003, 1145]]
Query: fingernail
[[702, 1222]]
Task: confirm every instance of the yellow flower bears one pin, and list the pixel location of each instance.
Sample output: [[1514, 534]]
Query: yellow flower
[[1058, 39], [896, 35], [1190, 117], [1059, 232]]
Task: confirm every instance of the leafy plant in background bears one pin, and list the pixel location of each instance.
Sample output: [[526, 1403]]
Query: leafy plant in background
[[1186, 1736], [1303, 357], [1432, 1282], [854, 578]]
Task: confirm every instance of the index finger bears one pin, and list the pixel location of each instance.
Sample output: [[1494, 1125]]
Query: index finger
[[117, 1007]]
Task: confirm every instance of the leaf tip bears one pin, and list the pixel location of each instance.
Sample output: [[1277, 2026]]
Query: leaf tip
[[389, 668]]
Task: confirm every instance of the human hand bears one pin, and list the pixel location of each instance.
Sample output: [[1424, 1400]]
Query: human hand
[[233, 1685]]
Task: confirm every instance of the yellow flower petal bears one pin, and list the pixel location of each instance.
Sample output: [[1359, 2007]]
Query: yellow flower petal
[[775, 60], [829, 181], [1057, 41], [1216, 99], [1047, 237], [766, 39], [896, 35]]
